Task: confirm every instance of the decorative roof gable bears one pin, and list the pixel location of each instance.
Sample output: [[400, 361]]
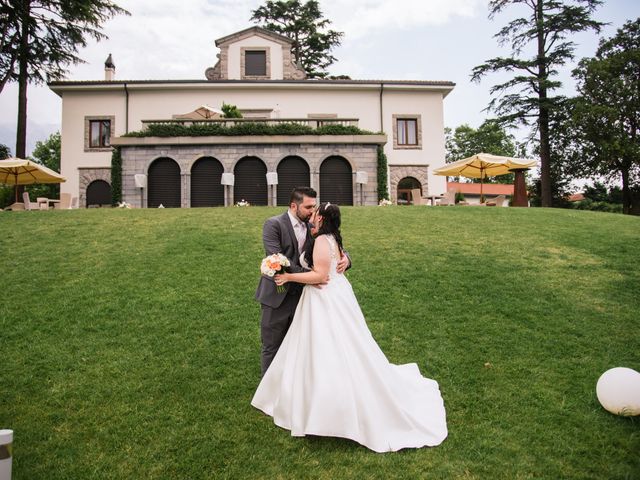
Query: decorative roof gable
[[251, 31]]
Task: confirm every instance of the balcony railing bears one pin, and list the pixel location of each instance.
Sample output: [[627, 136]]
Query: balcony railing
[[311, 122]]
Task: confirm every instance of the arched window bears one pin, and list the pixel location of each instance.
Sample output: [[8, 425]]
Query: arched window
[[404, 190], [164, 184], [98, 193], [336, 181], [292, 172], [206, 190], [250, 181]]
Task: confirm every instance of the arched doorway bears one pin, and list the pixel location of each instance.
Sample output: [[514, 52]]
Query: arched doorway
[[206, 190], [98, 194], [336, 181], [250, 181], [164, 184], [405, 186], [292, 172]]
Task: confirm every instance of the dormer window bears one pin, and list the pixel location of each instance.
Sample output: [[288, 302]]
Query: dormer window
[[255, 63]]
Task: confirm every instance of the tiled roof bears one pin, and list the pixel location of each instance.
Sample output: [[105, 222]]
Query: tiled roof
[[442, 83], [487, 188]]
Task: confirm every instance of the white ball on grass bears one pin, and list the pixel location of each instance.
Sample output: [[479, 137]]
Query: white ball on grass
[[618, 391]]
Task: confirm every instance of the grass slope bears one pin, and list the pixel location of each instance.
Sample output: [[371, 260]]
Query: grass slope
[[130, 342]]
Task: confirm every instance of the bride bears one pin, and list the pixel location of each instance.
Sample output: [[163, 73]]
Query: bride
[[330, 378]]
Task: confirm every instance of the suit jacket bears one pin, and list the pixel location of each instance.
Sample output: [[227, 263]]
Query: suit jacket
[[278, 237]]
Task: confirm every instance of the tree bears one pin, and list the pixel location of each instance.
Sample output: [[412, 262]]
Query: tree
[[40, 38], [47, 153], [607, 112], [230, 111], [303, 23], [490, 137], [5, 152], [527, 97]]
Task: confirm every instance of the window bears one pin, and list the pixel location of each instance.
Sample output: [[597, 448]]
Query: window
[[99, 133], [407, 131], [255, 63]]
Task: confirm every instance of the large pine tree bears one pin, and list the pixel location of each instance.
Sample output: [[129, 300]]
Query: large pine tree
[[527, 98], [303, 23], [40, 38]]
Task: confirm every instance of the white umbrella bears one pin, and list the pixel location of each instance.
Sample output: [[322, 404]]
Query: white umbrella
[[19, 171], [483, 165]]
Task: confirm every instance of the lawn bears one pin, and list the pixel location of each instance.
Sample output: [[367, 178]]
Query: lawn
[[130, 342]]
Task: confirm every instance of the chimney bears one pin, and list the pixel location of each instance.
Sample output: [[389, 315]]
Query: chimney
[[109, 69]]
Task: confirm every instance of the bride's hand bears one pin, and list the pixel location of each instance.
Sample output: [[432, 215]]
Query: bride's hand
[[281, 278]]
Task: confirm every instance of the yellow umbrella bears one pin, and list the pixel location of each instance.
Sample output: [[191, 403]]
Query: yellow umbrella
[[483, 165], [18, 171]]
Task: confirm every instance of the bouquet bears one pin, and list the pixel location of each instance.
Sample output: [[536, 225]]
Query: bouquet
[[273, 264]]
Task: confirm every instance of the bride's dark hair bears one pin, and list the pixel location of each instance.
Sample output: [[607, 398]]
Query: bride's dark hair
[[331, 220]]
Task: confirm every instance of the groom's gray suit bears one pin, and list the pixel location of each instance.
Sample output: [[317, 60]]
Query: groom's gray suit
[[278, 308]]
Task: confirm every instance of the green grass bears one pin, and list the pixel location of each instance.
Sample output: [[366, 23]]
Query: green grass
[[129, 342]]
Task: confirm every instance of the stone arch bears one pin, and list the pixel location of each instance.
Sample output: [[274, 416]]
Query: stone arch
[[88, 176], [397, 173]]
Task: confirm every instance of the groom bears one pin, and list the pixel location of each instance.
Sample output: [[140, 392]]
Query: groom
[[290, 235]]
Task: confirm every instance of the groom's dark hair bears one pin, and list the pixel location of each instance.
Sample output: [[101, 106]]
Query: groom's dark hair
[[298, 192]]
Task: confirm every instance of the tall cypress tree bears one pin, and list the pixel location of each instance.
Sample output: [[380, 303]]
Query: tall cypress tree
[[527, 98]]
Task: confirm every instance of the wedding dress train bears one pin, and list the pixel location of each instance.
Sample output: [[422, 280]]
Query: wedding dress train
[[330, 378]]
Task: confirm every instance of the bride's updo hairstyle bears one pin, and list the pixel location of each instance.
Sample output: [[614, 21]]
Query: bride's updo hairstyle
[[330, 225]]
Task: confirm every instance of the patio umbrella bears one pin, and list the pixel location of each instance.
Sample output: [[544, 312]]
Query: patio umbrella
[[483, 165], [18, 171]]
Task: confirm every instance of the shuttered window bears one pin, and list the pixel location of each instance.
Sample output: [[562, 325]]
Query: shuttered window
[[255, 63]]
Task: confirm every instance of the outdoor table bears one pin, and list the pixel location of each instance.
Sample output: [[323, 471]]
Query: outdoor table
[[433, 198]]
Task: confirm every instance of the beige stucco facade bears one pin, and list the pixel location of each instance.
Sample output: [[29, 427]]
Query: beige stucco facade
[[375, 104]]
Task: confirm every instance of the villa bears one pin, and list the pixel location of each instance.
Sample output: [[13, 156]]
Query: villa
[[255, 72]]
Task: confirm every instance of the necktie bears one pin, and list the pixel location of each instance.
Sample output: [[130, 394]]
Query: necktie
[[300, 235]]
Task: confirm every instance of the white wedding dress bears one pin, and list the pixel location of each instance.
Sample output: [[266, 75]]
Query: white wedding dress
[[330, 378]]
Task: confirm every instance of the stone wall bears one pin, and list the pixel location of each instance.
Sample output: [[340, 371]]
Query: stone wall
[[88, 175], [137, 159], [398, 172]]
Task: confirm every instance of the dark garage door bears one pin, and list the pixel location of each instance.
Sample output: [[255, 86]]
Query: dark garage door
[[206, 190], [336, 181], [99, 193], [250, 181], [164, 183], [292, 172]]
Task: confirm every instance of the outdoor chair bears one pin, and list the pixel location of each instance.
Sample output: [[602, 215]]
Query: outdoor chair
[[15, 206], [416, 197], [495, 202], [74, 202], [65, 202], [28, 204], [448, 198]]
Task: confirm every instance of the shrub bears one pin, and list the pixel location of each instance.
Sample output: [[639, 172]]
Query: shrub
[[116, 177], [383, 194]]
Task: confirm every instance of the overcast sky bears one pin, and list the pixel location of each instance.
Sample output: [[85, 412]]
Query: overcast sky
[[383, 39]]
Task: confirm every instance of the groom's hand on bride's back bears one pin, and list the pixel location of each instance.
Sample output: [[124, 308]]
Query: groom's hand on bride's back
[[343, 264]]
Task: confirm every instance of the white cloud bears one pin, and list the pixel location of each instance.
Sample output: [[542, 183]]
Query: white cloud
[[362, 18]]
